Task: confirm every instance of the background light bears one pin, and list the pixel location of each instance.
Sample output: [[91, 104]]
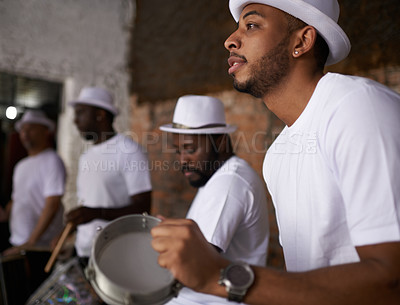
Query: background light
[[11, 112]]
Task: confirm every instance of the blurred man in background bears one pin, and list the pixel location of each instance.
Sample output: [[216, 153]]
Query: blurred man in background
[[113, 177], [35, 212]]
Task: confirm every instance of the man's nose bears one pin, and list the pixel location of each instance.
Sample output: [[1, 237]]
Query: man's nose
[[232, 42], [183, 158]]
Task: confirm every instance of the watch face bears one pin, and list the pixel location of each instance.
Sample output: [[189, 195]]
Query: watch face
[[239, 276]]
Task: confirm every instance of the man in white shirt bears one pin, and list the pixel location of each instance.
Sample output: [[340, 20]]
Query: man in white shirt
[[35, 211], [113, 178], [333, 173], [230, 206]]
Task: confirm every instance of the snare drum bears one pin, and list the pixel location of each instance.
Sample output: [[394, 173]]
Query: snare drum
[[123, 267]]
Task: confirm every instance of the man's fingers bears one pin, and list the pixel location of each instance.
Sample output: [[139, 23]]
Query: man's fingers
[[160, 244], [161, 217], [176, 221], [170, 227]]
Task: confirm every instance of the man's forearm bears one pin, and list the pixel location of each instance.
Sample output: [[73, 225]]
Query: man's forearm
[[49, 211], [371, 281], [5, 212]]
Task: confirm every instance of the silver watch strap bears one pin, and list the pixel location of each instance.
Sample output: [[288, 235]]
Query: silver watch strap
[[235, 296]]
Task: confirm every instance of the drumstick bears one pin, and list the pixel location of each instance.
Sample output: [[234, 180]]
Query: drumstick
[[58, 247]]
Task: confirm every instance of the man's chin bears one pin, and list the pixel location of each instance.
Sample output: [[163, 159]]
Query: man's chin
[[240, 86], [27, 145], [88, 136], [199, 182], [247, 87]]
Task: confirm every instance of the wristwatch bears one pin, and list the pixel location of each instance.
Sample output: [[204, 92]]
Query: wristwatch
[[237, 278]]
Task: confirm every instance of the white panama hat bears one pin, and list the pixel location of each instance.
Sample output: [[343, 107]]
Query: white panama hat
[[97, 97], [323, 15], [35, 117], [199, 114]]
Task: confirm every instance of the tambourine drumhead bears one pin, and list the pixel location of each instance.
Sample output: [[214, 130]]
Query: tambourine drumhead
[[123, 266]]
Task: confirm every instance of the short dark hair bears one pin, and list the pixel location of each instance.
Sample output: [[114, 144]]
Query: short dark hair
[[321, 49]]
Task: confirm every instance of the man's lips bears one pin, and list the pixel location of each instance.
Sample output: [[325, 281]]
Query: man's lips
[[189, 172], [235, 62]]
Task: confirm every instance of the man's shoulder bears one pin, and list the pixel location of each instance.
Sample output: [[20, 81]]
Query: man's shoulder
[[346, 84], [342, 96], [127, 142], [51, 154], [235, 164], [51, 159], [236, 168]]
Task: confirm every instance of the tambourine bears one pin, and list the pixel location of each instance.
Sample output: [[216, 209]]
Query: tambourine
[[123, 267]]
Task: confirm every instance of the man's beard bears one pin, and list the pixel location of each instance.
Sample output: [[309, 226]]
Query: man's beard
[[204, 174], [202, 180], [267, 73]]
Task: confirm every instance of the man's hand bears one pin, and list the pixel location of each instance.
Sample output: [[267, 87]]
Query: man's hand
[[5, 212], [187, 254], [18, 249], [3, 215], [82, 215]]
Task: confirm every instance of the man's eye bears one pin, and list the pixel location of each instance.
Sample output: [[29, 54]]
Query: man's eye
[[188, 151], [250, 26]]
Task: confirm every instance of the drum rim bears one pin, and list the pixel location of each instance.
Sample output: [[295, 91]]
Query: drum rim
[[95, 274]]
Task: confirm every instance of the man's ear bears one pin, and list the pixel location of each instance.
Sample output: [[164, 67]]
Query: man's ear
[[304, 41]]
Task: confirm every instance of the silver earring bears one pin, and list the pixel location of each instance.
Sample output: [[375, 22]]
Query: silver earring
[[296, 52]]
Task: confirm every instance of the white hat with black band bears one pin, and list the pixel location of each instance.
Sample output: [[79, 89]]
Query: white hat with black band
[[198, 114]]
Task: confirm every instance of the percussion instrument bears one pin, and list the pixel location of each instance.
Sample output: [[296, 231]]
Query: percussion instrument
[[123, 267], [57, 249], [21, 274], [66, 285]]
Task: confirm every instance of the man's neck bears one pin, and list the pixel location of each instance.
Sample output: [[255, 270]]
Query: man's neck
[[289, 100], [37, 150], [104, 136]]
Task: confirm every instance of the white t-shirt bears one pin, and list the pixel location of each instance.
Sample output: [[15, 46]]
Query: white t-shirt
[[334, 175], [35, 178], [109, 174], [231, 211]]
